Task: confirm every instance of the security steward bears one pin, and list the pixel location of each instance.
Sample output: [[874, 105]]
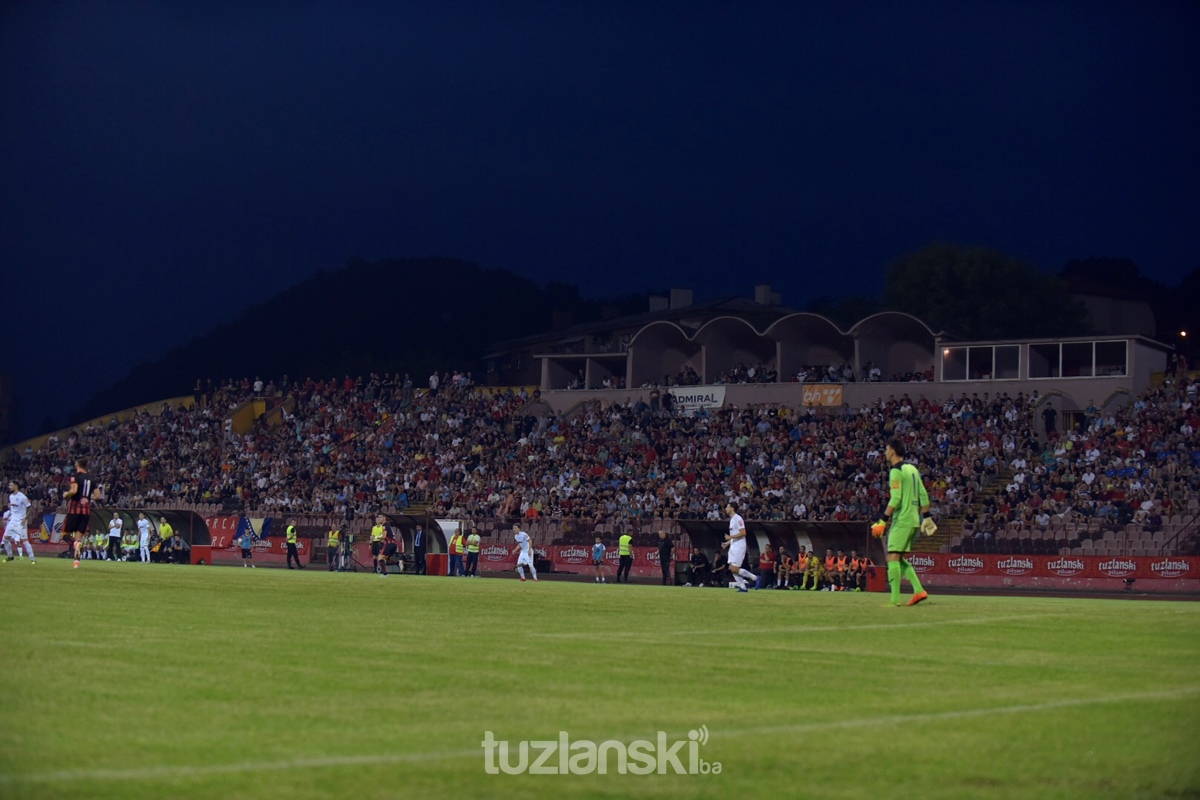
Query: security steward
[[291, 545], [473, 553], [333, 545], [625, 551]]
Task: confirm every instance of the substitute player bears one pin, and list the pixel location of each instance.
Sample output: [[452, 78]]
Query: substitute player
[[908, 510], [143, 538], [736, 542], [525, 556], [79, 496], [16, 529]]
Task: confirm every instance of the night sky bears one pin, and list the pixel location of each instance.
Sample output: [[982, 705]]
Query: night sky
[[172, 166]]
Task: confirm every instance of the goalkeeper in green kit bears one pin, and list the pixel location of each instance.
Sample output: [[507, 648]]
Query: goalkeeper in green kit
[[908, 510]]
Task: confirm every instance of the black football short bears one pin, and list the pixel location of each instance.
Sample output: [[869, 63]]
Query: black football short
[[376, 548], [76, 523], [389, 549]]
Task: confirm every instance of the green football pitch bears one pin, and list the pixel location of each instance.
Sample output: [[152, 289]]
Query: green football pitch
[[129, 680]]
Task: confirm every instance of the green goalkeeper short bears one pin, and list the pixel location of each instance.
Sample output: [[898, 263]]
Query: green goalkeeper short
[[900, 539]]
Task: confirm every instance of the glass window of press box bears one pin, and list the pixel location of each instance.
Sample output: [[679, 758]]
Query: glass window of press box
[[981, 362], [1078, 359]]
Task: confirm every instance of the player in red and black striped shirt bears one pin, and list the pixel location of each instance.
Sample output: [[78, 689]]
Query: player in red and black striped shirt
[[79, 497]]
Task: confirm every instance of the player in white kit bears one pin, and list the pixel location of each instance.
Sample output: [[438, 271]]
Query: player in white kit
[[16, 529], [144, 538], [736, 542], [525, 556]]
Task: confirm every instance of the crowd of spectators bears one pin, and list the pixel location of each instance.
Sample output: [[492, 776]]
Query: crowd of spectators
[[1138, 465], [354, 447]]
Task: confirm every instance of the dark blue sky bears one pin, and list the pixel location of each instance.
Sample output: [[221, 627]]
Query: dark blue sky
[[172, 166]]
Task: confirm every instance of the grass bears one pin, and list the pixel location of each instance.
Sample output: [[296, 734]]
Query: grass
[[129, 681]]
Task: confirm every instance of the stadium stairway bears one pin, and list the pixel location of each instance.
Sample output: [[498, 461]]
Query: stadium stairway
[[950, 527], [947, 530]]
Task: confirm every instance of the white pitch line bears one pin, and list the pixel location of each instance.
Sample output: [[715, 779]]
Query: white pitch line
[[173, 772], [320, 762], [969, 713], [798, 628]]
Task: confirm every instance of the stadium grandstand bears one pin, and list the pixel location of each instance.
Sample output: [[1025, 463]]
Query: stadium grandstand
[[1118, 476], [1120, 481]]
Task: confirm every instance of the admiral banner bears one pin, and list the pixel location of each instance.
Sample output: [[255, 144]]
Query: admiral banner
[[693, 398], [1175, 573]]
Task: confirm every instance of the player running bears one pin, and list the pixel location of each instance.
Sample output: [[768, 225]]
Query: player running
[[908, 510], [16, 529], [736, 542], [525, 557], [79, 496]]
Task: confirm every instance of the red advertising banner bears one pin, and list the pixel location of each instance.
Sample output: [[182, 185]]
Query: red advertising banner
[[572, 558], [497, 557], [578, 559], [271, 550], [277, 546], [967, 569]]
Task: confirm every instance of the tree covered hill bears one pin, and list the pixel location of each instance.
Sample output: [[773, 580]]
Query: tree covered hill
[[399, 315]]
